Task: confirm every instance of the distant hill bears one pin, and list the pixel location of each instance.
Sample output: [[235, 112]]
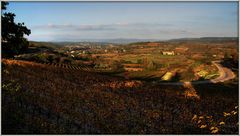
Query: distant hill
[[127, 41], [103, 42], [81, 43], [205, 39], [51, 45]]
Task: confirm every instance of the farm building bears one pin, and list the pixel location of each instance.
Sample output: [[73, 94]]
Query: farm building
[[168, 53]]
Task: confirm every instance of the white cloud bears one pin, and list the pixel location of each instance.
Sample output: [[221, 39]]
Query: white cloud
[[113, 26], [67, 31]]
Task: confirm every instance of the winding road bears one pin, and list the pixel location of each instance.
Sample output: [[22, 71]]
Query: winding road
[[225, 74], [190, 92]]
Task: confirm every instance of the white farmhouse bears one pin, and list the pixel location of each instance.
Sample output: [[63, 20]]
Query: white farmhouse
[[168, 53]]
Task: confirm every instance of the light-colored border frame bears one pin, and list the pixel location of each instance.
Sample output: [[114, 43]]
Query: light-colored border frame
[[119, 1]]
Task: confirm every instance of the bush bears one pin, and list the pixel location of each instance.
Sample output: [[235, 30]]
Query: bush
[[82, 58], [196, 63], [206, 61], [176, 77], [67, 60], [41, 58], [140, 61], [151, 66], [50, 58], [117, 66]]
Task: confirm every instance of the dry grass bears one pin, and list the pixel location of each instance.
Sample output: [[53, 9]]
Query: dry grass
[[89, 103]]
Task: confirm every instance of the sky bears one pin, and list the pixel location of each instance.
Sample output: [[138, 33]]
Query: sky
[[76, 21]]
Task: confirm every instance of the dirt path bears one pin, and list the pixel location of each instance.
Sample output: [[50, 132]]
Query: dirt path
[[189, 91]]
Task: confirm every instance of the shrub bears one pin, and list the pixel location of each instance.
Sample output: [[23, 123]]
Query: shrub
[[41, 58], [117, 66], [68, 60], [151, 66], [50, 58]]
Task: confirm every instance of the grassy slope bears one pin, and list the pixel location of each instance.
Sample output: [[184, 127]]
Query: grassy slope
[[106, 105]]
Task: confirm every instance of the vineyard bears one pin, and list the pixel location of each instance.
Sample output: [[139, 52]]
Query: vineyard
[[71, 67], [66, 99]]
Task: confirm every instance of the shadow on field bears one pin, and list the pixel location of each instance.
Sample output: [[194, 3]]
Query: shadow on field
[[147, 78], [227, 89]]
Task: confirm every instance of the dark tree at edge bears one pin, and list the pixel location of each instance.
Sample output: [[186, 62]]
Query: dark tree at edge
[[13, 41]]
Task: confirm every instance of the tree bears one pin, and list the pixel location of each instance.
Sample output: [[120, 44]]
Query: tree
[[139, 61], [117, 66], [176, 77], [227, 55], [149, 64], [13, 41], [235, 59]]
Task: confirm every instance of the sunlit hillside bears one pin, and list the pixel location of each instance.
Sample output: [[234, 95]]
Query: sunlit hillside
[[39, 98]]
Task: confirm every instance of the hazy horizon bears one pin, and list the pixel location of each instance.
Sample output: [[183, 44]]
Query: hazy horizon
[[126, 40], [76, 21]]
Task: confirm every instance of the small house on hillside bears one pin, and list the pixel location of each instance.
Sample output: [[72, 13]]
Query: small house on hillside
[[168, 53]]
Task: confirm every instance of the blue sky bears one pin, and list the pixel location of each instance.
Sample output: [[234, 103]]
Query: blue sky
[[73, 21]]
